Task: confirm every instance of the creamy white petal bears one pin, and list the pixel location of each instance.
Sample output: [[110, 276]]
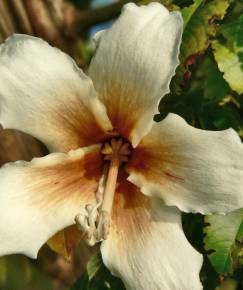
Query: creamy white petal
[[41, 197], [193, 169], [95, 40], [45, 94], [133, 66], [146, 247]]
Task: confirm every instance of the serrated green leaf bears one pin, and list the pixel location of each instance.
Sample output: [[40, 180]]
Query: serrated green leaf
[[229, 55], [199, 27], [215, 87], [230, 64], [221, 234], [236, 10], [188, 12], [233, 32]]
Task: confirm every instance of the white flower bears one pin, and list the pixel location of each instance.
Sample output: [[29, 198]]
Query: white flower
[[169, 165]]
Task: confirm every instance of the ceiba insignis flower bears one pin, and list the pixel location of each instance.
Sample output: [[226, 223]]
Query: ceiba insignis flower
[[120, 176]]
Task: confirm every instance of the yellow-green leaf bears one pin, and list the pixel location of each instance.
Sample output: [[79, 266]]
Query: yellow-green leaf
[[230, 64], [222, 232], [199, 26], [229, 55]]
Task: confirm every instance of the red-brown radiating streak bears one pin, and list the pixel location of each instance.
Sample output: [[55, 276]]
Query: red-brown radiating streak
[[75, 180], [156, 164], [130, 215]]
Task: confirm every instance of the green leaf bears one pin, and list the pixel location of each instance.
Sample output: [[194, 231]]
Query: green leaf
[[230, 64], [82, 283], [221, 235], [188, 12], [233, 32], [229, 55], [199, 25], [220, 118], [215, 87], [97, 277], [207, 87]]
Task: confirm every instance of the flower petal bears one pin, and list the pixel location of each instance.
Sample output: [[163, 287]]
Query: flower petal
[[193, 169], [41, 197], [133, 66], [146, 247], [45, 94]]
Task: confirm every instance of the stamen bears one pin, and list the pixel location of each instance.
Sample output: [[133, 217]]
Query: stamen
[[86, 223], [95, 222]]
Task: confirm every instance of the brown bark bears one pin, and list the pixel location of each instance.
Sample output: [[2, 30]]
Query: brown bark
[[6, 20], [21, 16], [18, 146], [43, 24]]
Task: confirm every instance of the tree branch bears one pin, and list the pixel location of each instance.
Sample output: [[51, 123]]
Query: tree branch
[[96, 16], [77, 20]]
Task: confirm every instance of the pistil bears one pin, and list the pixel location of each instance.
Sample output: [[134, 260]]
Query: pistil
[[96, 221], [115, 161]]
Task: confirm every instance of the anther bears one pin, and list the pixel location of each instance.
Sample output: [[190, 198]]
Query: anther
[[86, 223]]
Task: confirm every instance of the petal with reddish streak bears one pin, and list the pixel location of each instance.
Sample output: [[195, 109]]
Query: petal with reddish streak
[[146, 246], [41, 197], [133, 65], [44, 93], [195, 170]]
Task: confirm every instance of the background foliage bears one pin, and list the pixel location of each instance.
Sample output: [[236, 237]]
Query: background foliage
[[207, 91]]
